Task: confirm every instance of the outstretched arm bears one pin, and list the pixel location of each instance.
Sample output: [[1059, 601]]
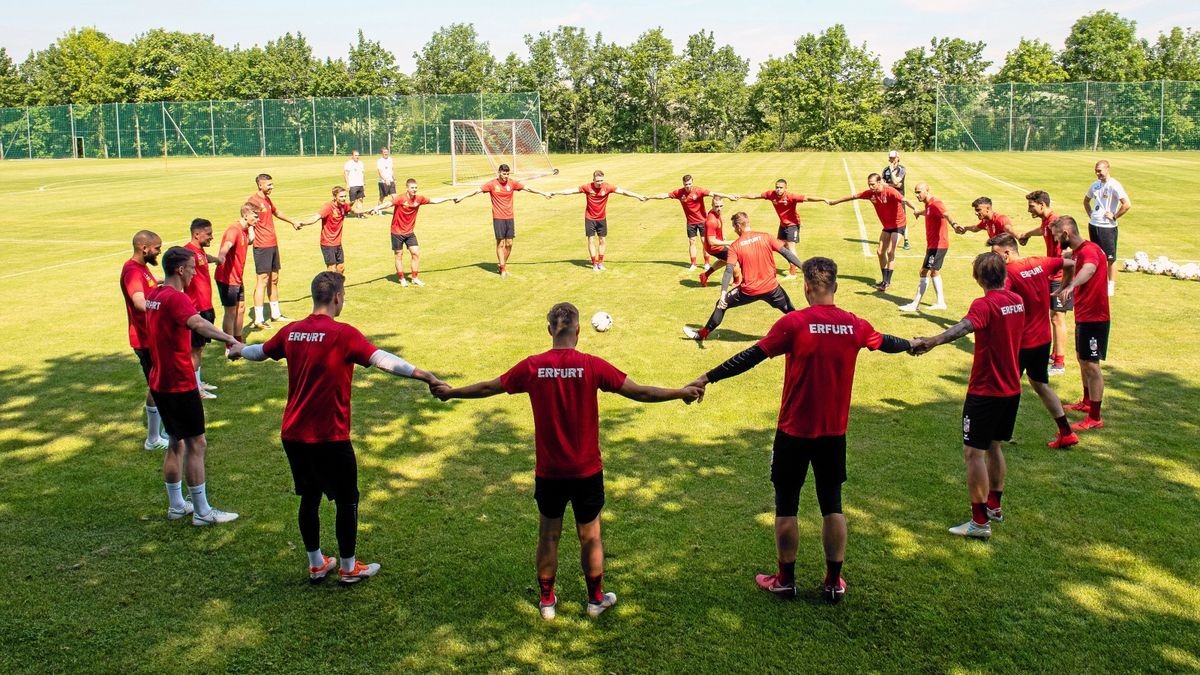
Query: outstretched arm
[[647, 394], [440, 200], [316, 218], [536, 191], [835, 202], [568, 191], [206, 329], [477, 390], [921, 345], [733, 366], [722, 195], [467, 196], [790, 255], [627, 193], [664, 195]]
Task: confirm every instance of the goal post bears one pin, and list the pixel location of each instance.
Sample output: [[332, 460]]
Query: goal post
[[479, 147]]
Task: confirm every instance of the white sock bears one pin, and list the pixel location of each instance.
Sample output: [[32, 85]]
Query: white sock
[[1112, 287], [937, 288], [175, 494], [199, 499], [197, 377], [275, 310], [348, 564], [316, 558], [924, 283], [153, 422], [258, 314]]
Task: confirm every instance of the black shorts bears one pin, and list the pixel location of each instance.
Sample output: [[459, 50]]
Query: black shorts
[[143, 355], [399, 241], [1106, 238], [333, 255], [328, 468], [1057, 305], [1036, 362], [199, 340], [230, 296], [720, 254], [695, 230], [585, 494], [182, 412], [790, 458], [266, 260], [505, 228], [386, 190], [989, 418], [357, 192], [894, 233], [595, 228], [789, 233], [934, 257], [776, 297], [1091, 340]]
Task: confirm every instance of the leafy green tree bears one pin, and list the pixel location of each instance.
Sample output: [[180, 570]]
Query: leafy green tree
[[649, 83], [1031, 61], [454, 61], [83, 66], [373, 69], [287, 68], [1104, 47], [711, 91], [13, 89], [175, 66], [333, 78], [1176, 55], [916, 77]]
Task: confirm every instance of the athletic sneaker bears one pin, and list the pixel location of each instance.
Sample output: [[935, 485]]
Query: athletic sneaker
[[281, 318], [261, 325], [771, 584], [940, 305], [906, 246], [995, 515], [403, 282], [417, 282], [693, 268], [158, 443], [595, 609], [504, 274], [692, 334], [595, 267], [318, 574], [1087, 423], [601, 267], [213, 517], [1063, 441], [361, 571], [882, 286], [548, 611], [177, 513], [1057, 370], [205, 394], [973, 530], [910, 307], [704, 279], [833, 593], [204, 386], [1079, 406]]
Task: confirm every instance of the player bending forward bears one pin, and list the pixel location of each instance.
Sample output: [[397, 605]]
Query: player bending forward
[[562, 385]]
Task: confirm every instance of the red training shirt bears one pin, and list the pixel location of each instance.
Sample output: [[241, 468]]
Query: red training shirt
[[502, 196], [692, 202], [1091, 299], [1030, 278], [785, 206], [562, 385], [200, 290], [1053, 248], [597, 199], [999, 321], [822, 344], [333, 217], [995, 225], [136, 278], [714, 227], [167, 314], [889, 207], [937, 235], [230, 271], [321, 354], [755, 252], [264, 231], [404, 213]]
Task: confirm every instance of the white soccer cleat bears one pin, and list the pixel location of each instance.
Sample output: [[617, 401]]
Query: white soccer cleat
[[595, 609], [973, 530], [910, 307], [417, 282], [176, 513], [213, 517], [940, 305], [692, 268], [403, 282], [204, 386], [207, 395], [549, 611], [158, 443]]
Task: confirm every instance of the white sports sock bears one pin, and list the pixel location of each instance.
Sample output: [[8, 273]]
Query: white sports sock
[[175, 494], [258, 314], [199, 499], [1112, 287], [921, 286], [275, 310], [153, 423], [316, 558], [348, 564], [937, 287]]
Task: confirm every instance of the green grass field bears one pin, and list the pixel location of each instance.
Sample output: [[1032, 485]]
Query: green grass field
[[1096, 568]]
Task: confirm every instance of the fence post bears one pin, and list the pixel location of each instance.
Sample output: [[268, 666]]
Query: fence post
[[28, 134], [424, 128], [117, 111], [313, 102], [370, 136], [1010, 115], [212, 128], [937, 109], [262, 128], [71, 114], [1085, 102], [1162, 95], [163, 107]]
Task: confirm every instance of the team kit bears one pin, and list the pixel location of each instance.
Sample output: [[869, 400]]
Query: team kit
[[1018, 322]]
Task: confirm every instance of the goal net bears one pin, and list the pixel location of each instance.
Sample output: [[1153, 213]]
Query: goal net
[[479, 147]]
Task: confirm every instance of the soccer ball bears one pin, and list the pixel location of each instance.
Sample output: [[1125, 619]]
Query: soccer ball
[[1131, 265], [602, 321]]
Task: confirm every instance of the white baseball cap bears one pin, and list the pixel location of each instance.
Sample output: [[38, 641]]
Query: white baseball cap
[[893, 154]]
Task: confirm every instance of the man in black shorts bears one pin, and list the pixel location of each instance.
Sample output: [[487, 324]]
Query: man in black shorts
[[266, 251], [937, 243], [1039, 207], [1092, 318], [230, 272], [1106, 201], [595, 214], [200, 292]]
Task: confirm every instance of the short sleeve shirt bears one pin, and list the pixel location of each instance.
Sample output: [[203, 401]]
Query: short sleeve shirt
[[167, 314], [995, 225], [1106, 196], [384, 167], [937, 235], [136, 278], [714, 227], [1053, 247], [892, 176], [999, 321], [755, 252], [264, 231], [597, 199], [785, 206], [1091, 299], [333, 217], [230, 271], [200, 290], [692, 202], [1030, 278], [404, 213], [889, 207], [354, 173], [502, 196]]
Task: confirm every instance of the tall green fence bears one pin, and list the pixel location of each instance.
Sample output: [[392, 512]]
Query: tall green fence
[[1158, 115], [310, 126]]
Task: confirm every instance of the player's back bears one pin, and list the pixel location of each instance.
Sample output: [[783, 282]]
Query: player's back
[[754, 252]]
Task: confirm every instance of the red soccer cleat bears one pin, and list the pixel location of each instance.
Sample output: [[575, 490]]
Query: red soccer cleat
[[771, 584], [1079, 406], [1064, 440], [704, 279], [1087, 423]]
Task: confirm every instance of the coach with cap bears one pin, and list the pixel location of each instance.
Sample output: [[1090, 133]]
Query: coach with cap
[[893, 174]]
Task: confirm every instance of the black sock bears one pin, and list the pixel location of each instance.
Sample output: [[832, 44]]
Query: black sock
[[547, 589], [346, 528], [1064, 427], [595, 588], [833, 571], [787, 573], [887, 276]]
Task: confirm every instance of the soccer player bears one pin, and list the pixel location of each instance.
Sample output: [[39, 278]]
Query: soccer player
[[354, 172], [1030, 278], [228, 274], [1039, 207], [1111, 202], [1091, 317], [715, 243], [199, 290], [170, 320], [332, 216], [785, 204], [321, 354], [404, 221], [266, 251], [989, 221], [501, 190], [937, 242], [889, 208], [387, 176], [894, 174], [822, 343], [136, 283], [562, 385], [752, 255], [993, 391], [595, 214], [691, 198]]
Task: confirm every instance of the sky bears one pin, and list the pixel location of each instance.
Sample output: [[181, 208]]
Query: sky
[[757, 31]]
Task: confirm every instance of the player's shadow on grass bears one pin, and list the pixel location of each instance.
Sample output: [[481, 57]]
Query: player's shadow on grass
[[855, 240]]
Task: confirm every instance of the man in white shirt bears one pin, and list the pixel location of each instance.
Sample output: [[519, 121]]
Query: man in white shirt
[[354, 171], [387, 178], [1105, 202]]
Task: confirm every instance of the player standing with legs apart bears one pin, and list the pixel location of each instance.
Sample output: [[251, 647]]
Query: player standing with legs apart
[[387, 176], [785, 204], [199, 290], [321, 354], [821, 343], [354, 172], [170, 320], [993, 391], [504, 226], [266, 251], [691, 198], [1039, 207], [229, 271], [1030, 278], [715, 243], [1111, 202], [937, 243], [894, 174], [989, 221], [404, 222], [1091, 317], [752, 255], [562, 385], [136, 283], [595, 214], [889, 207], [332, 216]]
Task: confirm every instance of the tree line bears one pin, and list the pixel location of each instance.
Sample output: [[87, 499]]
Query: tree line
[[598, 96]]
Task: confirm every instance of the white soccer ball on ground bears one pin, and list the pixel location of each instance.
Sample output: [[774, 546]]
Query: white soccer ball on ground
[[602, 321], [1141, 255], [1131, 265]]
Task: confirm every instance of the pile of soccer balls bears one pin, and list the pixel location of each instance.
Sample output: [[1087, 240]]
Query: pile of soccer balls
[[1141, 262]]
